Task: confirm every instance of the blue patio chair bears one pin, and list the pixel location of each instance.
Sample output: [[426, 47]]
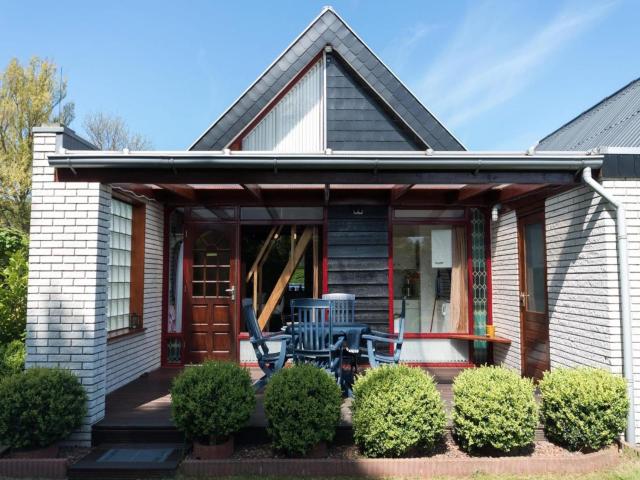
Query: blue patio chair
[[313, 342], [377, 339], [269, 362], [343, 307]]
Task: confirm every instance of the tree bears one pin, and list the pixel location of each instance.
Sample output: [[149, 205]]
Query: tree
[[30, 95], [110, 132]]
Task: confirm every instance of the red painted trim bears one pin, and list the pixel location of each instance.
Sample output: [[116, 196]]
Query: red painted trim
[[236, 143], [439, 335], [390, 271], [165, 287], [470, 285], [487, 256], [325, 251], [239, 283]]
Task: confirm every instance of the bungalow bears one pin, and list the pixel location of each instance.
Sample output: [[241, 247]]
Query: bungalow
[[328, 175]]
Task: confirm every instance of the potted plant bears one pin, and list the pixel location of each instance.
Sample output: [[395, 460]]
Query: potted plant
[[302, 405], [38, 408], [209, 404]]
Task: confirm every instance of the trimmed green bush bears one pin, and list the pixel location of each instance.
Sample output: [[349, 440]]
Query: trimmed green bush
[[302, 404], [39, 407], [493, 408], [212, 401], [12, 356], [583, 408], [396, 410]]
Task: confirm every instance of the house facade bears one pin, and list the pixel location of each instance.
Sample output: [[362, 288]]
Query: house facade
[[327, 175]]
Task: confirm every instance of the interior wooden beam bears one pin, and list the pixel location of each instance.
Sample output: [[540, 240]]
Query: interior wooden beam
[[399, 191], [514, 191], [254, 190], [262, 251], [292, 264], [183, 191], [316, 266], [469, 192], [327, 194]]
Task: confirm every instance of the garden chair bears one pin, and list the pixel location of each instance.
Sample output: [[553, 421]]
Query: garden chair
[[343, 307], [269, 362], [375, 340], [313, 342]]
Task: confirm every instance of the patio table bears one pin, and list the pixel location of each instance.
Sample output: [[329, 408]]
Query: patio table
[[351, 331]]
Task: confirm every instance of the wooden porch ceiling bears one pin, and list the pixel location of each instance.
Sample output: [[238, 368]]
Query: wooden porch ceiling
[[448, 195]]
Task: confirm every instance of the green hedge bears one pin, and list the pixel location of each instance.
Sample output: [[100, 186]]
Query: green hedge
[[494, 408], [302, 404], [396, 411], [212, 401], [39, 407], [583, 408], [12, 356]]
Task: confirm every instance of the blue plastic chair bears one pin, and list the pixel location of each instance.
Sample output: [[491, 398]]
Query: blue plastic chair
[[269, 362], [312, 329], [377, 339]]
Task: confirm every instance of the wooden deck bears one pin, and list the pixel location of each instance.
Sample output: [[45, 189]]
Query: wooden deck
[[146, 402]]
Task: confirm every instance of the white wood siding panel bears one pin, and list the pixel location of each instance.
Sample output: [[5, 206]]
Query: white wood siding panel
[[130, 357], [505, 288], [296, 123]]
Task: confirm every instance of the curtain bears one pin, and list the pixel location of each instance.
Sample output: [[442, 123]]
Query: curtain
[[459, 282]]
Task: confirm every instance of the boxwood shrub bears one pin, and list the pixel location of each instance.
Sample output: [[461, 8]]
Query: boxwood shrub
[[583, 408], [493, 409], [397, 410], [212, 401], [302, 404], [40, 406]]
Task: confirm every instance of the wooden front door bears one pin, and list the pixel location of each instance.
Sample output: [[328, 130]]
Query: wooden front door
[[210, 285], [534, 318]]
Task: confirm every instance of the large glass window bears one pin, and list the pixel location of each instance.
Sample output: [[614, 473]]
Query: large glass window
[[430, 273], [119, 283]]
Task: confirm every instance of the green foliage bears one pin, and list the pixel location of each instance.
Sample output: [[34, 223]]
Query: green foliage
[[494, 408], [39, 407], [583, 408], [212, 401], [302, 404], [30, 95], [396, 410], [13, 298], [11, 241], [12, 356]]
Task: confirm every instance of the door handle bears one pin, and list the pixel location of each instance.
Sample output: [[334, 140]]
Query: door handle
[[232, 291], [523, 299]]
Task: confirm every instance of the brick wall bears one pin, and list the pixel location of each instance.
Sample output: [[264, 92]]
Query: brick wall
[[67, 275], [505, 288], [130, 357]]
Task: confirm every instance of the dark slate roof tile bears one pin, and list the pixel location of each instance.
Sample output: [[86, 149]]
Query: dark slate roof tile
[[328, 29]]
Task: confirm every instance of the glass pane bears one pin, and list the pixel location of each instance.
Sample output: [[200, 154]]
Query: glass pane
[[212, 213], [198, 289], [534, 259], [210, 290], [198, 257], [419, 213], [281, 213], [427, 260], [198, 273]]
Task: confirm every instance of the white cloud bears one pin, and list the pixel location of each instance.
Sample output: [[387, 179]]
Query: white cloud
[[397, 53], [490, 60]]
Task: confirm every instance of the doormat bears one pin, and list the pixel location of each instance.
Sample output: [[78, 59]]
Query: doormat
[[135, 455]]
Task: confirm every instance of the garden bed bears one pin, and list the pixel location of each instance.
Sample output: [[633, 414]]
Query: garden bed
[[447, 460]]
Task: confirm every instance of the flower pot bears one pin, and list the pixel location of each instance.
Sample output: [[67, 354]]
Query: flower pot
[[47, 452], [319, 450], [213, 452]]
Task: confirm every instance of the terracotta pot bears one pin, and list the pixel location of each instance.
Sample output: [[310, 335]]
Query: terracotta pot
[[213, 452], [47, 452], [319, 450]]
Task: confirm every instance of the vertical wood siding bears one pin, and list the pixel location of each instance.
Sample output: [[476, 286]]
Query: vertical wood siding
[[130, 357], [296, 123], [358, 252], [505, 288]]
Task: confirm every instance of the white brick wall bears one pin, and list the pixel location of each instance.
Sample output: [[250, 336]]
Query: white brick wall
[[505, 288], [67, 277], [628, 191], [130, 357], [582, 281]]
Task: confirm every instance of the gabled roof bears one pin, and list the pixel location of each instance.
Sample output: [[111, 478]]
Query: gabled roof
[[327, 29], [613, 122]]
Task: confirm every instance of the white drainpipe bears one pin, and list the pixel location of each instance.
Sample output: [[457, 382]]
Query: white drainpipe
[[625, 298]]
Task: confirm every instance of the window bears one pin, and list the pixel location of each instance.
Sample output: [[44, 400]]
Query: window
[[430, 273], [126, 268]]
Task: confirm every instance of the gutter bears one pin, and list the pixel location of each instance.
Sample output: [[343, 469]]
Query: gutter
[[625, 296], [507, 161]]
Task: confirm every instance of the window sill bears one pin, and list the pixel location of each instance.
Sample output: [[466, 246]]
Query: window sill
[[123, 333]]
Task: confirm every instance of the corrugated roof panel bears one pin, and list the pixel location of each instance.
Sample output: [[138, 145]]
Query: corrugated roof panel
[[614, 122]]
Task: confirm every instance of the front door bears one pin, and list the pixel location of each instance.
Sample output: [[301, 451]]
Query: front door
[[209, 273], [534, 319]]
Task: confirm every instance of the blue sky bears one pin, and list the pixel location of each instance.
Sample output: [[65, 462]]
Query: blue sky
[[499, 74]]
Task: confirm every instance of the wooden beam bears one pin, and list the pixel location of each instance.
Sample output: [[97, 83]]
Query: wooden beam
[[183, 191], [471, 191], [316, 267], [399, 191], [263, 251], [327, 194], [292, 264]]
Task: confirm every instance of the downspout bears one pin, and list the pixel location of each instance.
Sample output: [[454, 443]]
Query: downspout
[[625, 298]]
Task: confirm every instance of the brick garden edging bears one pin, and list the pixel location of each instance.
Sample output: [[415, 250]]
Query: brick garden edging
[[33, 467], [402, 467]]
